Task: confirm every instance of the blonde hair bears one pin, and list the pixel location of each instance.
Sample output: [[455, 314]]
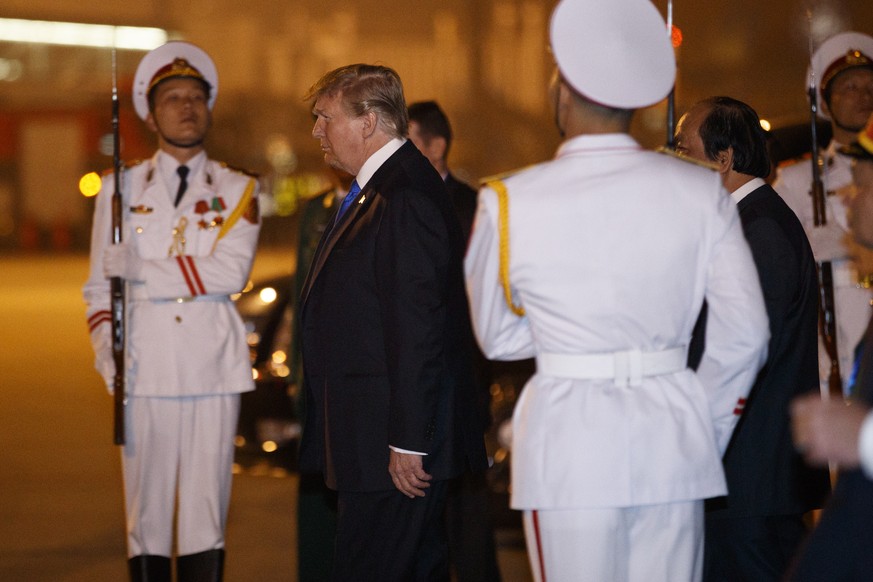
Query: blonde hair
[[365, 89]]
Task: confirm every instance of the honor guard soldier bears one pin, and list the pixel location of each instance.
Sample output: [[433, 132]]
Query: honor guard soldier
[[190, 228], [597, 264], [829, 431], [842, 71]]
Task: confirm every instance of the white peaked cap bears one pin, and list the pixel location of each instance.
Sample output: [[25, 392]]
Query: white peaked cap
[[837, 54], [173, 59], [614, 52]]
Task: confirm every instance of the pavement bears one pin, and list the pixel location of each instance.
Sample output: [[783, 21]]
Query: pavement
[[61, 505]]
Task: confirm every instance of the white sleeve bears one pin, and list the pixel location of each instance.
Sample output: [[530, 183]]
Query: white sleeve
[[96, 289], [502, 334], [794, 185], [865, 445], [222, 272], [737, 327]]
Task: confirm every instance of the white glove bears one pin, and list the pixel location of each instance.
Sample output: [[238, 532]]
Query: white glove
[[122, 261], [104, 362], [828, 242]]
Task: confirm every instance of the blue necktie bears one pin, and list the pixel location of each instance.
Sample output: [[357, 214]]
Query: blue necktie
[[347, 201]]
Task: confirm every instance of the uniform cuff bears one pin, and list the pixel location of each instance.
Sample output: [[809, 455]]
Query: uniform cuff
[[865, 446]]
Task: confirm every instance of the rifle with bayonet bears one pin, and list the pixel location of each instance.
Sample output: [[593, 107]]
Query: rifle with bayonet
[[827, 315], [117, 298], [671, 98]]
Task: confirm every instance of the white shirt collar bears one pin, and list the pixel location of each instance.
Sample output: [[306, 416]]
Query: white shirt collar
[[747, 189], [375, 161], [598, 143], [167, 164]]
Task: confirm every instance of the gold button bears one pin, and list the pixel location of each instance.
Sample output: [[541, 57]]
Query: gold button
[[138, 230], [178, 319]]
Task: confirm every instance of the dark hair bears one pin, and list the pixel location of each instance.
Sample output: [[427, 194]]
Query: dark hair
[[733, 124], [365, 89], [431, 120]]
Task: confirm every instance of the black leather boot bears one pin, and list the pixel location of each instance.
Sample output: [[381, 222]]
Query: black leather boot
[[149, 569], [205, 566]]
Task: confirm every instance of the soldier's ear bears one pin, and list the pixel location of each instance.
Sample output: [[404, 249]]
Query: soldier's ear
[[150, 122], [824, 108]]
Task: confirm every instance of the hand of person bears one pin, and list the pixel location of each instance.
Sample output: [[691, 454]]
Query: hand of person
[[828, 242], [407, 472], [104, 361], [827, 430], [122, 261]]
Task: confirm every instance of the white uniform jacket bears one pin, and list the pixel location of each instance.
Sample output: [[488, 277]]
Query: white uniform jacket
[[184, 334], [614, 248], [851, 300]]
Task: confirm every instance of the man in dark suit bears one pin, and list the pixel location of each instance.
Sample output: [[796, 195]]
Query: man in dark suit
[[386, 341], [828, 430], [472, 550], [430, 131], [752, 533]]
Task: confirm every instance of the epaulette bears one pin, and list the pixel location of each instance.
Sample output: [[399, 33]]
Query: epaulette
[[127, 165], [238, 170], [674, 154], [804, 159], [502, 176]]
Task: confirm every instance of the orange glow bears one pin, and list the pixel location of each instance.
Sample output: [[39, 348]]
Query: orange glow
[[676, 36]]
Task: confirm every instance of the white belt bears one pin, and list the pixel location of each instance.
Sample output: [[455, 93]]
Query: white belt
[[625, 368], [138, 293]]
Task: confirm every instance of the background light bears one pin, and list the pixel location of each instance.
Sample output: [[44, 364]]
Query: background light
[[89, 184], [77, 34]]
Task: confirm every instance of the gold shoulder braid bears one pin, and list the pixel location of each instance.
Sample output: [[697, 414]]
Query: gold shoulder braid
[[240, 209], [503, 232]]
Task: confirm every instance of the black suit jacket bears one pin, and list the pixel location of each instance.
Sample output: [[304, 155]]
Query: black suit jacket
[[385, 336], [765, 474], [463, 198]]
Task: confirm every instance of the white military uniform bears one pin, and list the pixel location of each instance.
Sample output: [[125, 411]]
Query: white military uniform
[[612, 251], [851, 299], [186, 356]]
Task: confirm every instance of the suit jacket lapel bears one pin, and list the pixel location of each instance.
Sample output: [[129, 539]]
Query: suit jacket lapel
[[331, 236]]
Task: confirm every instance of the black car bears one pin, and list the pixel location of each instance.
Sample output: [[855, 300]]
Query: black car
[[269, 424]]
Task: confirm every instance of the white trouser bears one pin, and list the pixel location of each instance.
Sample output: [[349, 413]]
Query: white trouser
[[652, 543], [178, 448]]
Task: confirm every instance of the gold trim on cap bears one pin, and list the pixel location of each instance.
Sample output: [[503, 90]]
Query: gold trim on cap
[[178, 68], [853, 58]]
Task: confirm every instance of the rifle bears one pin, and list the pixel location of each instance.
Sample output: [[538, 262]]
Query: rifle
[[671, 98], [116, 284], [827, 316]]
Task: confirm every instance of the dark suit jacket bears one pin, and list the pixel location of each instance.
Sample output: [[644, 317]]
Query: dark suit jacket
[[765, 475], [386, 340], [463, 198]]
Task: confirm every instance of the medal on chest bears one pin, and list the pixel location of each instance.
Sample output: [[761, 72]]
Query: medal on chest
[[203, 208]]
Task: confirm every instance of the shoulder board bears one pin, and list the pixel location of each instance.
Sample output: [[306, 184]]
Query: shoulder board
[[804, 159], [127, 165], [502, 176], [238, 170], [674, 154]]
